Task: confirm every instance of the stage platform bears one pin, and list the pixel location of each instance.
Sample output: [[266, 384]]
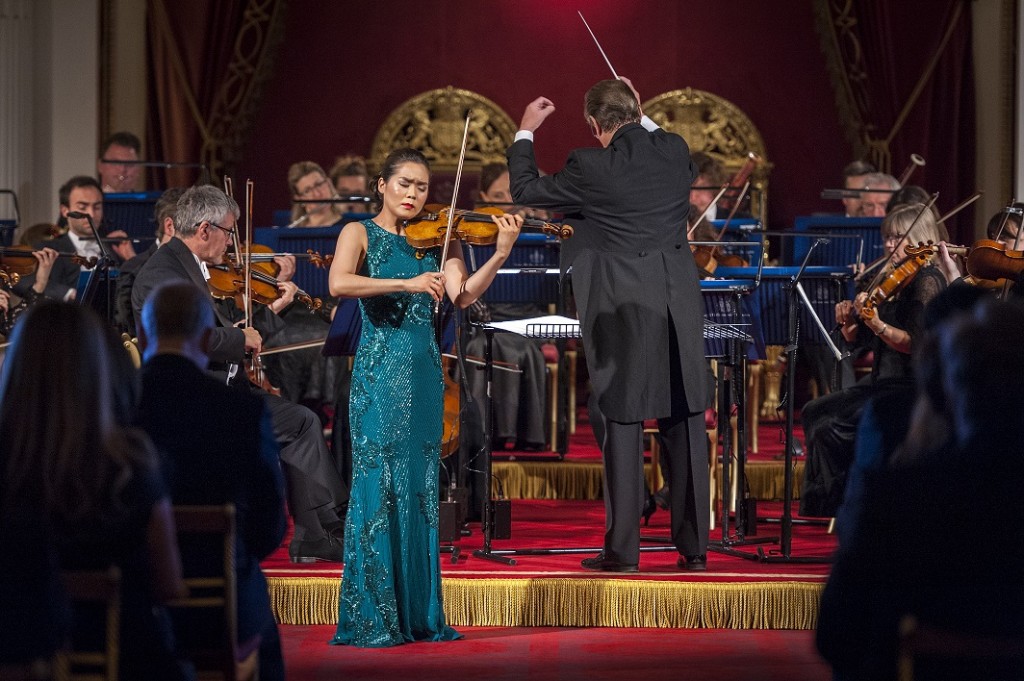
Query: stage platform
[[553, 590]]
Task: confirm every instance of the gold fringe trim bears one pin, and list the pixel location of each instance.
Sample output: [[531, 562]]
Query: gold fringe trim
[[589, 602], [582, 481]]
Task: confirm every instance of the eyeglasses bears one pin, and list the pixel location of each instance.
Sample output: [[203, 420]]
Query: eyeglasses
[[312, 188], [214, 224]]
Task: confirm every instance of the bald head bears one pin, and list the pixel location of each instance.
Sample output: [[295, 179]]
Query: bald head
[[177, 318]]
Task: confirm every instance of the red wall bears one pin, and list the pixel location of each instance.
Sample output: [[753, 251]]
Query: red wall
[[345, 66]]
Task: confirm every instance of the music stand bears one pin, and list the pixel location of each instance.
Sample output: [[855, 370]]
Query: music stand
[[796, 294]]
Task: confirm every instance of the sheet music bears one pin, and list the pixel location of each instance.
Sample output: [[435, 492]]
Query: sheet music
[[548, 326]]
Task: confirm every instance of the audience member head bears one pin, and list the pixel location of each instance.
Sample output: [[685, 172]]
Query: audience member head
[[982, 378], [873, 203], [350, 177], [119, 177], [494, 184], [81, 194], [63, 447], [1005, 225], [609, 105], [307, 181], [177, 318], [709, 180], [164, 211], [853, 178], [205, 221]]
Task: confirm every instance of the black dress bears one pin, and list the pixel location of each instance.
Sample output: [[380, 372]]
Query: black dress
[[830, 422]]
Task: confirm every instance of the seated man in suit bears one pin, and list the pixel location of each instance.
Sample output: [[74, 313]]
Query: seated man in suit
[[203, 225], [79, 196], [217, 446]]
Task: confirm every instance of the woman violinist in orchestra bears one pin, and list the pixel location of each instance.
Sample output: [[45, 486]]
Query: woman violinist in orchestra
[[9, 312], [308, 182], [887, 325], [391, 591]]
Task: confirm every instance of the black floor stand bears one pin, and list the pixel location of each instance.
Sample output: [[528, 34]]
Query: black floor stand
[[732, 390], [784, 554], [487, 512]]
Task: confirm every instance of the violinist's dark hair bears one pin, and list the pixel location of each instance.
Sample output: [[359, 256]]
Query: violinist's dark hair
[[1011, 216], [611, 103], [122, 139], [204, 203], [710, 168], [76, 182], [166, 207], [390, 167], [64, 448], [491, 172]]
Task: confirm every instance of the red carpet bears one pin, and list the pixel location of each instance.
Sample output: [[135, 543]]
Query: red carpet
[[561, 654]]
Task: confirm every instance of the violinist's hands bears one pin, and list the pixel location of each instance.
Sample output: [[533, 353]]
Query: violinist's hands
[[253, 340], [536, 112], [947, 264], [5, 301], [428, 282], [288, 290], [858, 302], [46, 258], [509, 225], [287, 265], [857, 268], [124, 249], [846, 318]]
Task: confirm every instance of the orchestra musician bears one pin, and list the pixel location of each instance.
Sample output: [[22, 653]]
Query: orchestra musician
[[114, 176], [830, 421], [640, 307], [876, 190], [205, 220], [351, 178], [391, 590], [308, 181], [9, 312], [854, 175]]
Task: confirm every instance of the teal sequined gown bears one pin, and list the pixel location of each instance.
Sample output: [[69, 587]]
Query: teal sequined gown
[[391, 585]]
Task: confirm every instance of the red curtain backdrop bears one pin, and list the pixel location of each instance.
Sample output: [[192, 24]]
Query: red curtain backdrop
[[904, 82], [343, 67]]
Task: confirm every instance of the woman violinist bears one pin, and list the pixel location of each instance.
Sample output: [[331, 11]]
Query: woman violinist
[[391, 591], [45, 257], [888, 325]]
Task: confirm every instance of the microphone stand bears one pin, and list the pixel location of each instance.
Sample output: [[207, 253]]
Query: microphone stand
[[103, 264], [784, 554]]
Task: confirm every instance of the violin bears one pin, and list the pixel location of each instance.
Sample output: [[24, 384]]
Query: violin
[[895, 281], [428, 229], [228, 281], [993, 261], [17, 262], [264, 256]]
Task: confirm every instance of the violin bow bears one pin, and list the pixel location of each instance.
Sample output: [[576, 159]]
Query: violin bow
[[714, 201], [599, 48], [455, 193], [882, 273]]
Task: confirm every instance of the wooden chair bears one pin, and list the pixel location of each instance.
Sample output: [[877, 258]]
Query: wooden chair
[[212, 599], [993, 658], [87, 591]]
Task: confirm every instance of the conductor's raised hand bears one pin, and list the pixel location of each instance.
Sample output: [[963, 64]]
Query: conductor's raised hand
[[509, 226], [428, 282], [535, 113]]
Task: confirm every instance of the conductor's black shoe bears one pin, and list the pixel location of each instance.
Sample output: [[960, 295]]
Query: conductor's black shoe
[[328, 550], [599, 562], [696, 563]]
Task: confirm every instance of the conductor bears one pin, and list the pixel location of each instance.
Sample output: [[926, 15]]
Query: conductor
[[639, 303]]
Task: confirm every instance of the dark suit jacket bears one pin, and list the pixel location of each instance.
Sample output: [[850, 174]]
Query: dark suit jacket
[[633, 273], [63, 276], [174, 262], [938, 539], [217, 446]]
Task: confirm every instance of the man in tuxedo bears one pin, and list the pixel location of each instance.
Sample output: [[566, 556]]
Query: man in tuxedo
[[217, 446], [205, 221], [640, 307], [79, 196]]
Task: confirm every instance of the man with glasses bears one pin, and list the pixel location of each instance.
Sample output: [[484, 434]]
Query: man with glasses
[[205, 221]]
